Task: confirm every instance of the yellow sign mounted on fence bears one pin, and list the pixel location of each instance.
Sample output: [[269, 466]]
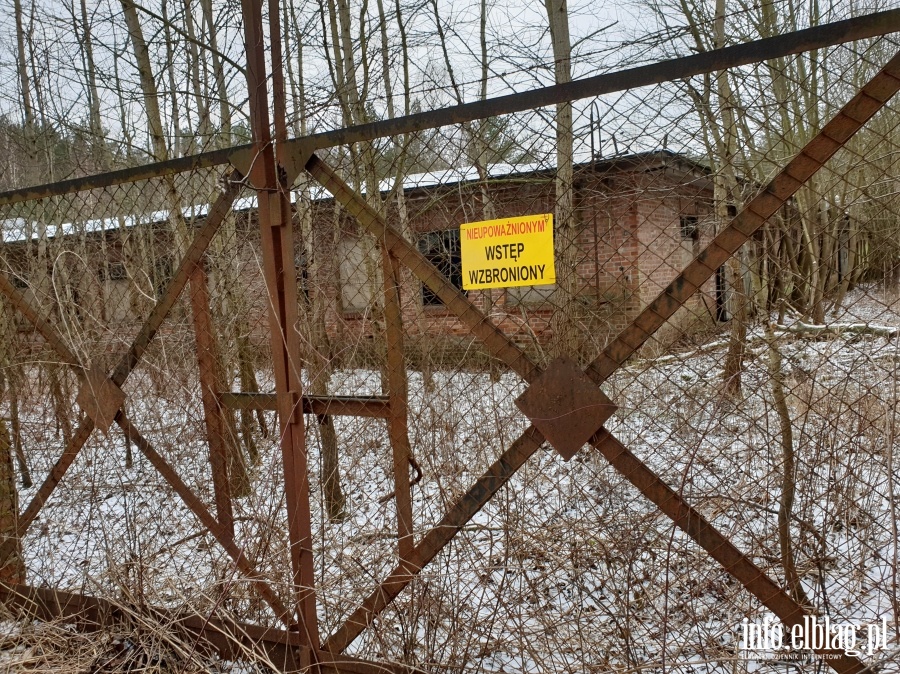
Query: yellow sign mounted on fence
[[507, 252]]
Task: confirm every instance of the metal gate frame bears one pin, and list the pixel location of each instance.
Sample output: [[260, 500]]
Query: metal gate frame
[[271, 167], [562, 374]]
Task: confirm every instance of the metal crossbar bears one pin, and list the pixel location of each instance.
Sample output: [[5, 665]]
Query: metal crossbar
[[812, 157]]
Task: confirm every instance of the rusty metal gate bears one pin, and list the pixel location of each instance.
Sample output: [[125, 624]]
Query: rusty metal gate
[[256, 260]]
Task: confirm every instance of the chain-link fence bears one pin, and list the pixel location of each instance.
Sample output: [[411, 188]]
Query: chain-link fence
[[766, 402]]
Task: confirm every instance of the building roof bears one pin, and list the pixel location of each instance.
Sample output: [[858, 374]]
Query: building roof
[[21, 229]]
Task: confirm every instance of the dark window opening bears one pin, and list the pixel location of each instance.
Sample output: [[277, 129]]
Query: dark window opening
[[690, 228], [301, 264], [75, 302], [721, 295], [442, 250], [116, 272]]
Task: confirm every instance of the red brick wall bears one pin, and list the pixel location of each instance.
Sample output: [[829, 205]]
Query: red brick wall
[[627, 247]]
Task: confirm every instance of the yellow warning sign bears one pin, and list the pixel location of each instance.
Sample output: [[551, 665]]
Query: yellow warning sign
[[508, 252]]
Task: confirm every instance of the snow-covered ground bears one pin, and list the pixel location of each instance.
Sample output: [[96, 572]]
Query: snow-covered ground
[[568, 568]]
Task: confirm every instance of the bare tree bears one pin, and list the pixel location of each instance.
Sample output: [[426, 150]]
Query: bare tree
[[221, 428], [565, 319]]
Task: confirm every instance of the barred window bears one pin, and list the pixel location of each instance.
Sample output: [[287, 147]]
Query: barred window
[[690, 229], [442, 250]]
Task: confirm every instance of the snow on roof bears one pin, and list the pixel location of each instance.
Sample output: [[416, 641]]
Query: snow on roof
[[20, 229]]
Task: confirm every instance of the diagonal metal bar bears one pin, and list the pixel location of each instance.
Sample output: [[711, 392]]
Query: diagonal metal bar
[[500, 345], [714, 543], [221, 534], [851, 118], [33, 315], [812, 157], [189, 262], [66, 459], [434, 540], [17, 299], [670, 502], [195, 252]]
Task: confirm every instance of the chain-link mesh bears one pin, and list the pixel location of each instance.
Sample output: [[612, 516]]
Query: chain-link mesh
[[766, 402], [94, 265]]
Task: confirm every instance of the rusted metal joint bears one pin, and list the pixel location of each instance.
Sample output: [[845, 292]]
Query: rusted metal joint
[[100, 398], [565, 406]]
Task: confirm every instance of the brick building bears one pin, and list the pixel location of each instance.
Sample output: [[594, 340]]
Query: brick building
[[637, 221]]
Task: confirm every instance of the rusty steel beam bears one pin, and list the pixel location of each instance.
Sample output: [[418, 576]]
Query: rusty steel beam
[[20, 303], [870, 25], [499, 344], [347, 406], [811, 158], [66, 459], [231, 639], [95, 613], [398, 430], [267, 175], [207, 353], [817, 37], [119, 177]]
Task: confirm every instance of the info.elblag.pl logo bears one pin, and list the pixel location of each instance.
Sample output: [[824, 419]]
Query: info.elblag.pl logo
[[769, 636]]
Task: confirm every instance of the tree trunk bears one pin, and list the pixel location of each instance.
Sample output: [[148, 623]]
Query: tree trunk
[[22, 65], [12, 567], [785, 510], [237, 466], [159, 150], [564, 322], [319, 363], [727, 206], [24, 472], [203, 126], [101, 156], [219, 75]]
